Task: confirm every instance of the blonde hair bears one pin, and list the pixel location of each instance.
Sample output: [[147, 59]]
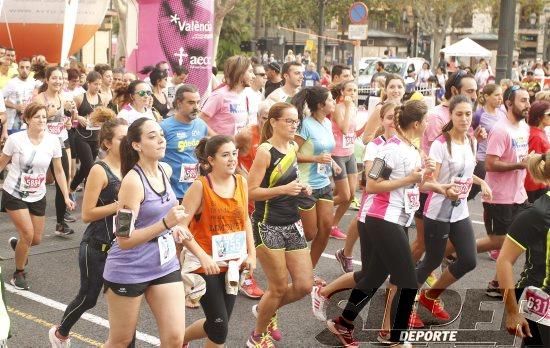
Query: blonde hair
[[539, 168], [543, 95]]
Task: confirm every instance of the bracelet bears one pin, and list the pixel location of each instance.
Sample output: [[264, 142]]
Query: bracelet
[[165, 224]]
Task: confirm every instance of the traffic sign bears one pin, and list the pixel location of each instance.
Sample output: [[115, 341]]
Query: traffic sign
[[358, 13], [358, 31]]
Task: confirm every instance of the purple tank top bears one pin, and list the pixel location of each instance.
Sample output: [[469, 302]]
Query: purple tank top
[[142, 263]]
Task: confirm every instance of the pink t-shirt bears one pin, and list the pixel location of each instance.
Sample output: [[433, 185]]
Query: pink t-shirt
[[227, 111], [511, 144], [345, 143], [438, 117]]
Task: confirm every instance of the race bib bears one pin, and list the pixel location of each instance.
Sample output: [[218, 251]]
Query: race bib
[[92, 127], [412, 200], [535, 305], [228, 246], [323, 169], [310, 83], [299, 227], [463, 186], [167, 248], [55, 128], [189, 172], [31, 182], [521, 146], [348, 140]]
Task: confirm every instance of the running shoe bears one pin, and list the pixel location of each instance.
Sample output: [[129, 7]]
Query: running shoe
[[336, 233], [19, 281], [446, 262], [430, 281], [493, 254], [259, 341], [249, 287], [435, 306], [342, 332], [493, 289], [318, 303], [63, 229], [56, 342], [13, 242], [68, 217], [415, 322], [272, 327], [346, 263], [319, 281], [355, 204]]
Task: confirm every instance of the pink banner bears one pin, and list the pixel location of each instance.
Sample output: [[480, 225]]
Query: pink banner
[[177, 31]]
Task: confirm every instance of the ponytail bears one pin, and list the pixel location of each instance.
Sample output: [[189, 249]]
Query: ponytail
[[539, 167], [207, 147], [312, 96], [275, 112]]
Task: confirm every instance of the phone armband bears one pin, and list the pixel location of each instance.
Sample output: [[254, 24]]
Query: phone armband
[[380, 169]]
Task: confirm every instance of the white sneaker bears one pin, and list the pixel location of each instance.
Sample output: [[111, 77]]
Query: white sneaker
[[318, 304], [56, 342]]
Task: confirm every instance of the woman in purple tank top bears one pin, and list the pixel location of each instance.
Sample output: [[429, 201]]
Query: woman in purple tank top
[[145, 263]]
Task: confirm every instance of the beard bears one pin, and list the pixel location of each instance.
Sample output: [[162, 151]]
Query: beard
[[193, 115], [518, 113]]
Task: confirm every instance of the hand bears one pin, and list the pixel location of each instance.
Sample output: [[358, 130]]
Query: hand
[[336, 168], [4, 135], [486, 191], [249, 264], [451, 192], [293, 188], [429, 165], [323, 158], [181, 234], [348, 101], [69, 203], [480, 133], [416, 175], [517, 325], [69, 105], [525, 161], [175, 216], [82, 120], [307, 189], [20, 107], [209, 266]]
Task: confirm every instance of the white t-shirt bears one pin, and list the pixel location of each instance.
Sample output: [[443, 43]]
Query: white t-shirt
[[130, 114], [390, 206], [279, 95], [459, 169], [171, 92], [26, 178], [253, 99], [18, 91], [70, 95]]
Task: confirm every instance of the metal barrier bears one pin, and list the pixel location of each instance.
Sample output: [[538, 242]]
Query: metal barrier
[[366, 92]]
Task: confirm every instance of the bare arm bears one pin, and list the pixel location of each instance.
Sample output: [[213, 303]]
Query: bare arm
[[509, 253], [60, 177], [372, 125], [342, 115], [4, 160], [495, 164]]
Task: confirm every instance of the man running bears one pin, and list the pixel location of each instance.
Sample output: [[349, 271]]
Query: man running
[[293, 74]]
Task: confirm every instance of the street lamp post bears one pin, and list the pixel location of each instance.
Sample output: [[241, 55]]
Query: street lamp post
[[505, 39]]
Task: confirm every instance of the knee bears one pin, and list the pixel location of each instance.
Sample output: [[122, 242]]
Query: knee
[[174, 338], [464, 265], [217, 330], [37, 239], [304, 288], [27, 239], [277, 291]]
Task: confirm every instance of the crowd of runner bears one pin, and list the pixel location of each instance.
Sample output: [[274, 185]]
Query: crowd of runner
[[186, 195]]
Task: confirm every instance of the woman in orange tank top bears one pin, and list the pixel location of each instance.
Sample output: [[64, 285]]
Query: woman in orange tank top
[[218, 219]]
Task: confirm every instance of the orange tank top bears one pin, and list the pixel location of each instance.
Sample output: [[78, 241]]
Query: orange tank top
[[219, 215]]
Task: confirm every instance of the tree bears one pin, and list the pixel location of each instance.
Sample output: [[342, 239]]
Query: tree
[[221, 9]]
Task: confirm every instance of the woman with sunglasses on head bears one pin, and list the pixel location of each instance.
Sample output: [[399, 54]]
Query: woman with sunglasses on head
[[24, 189], [57, 124], [529, 233], [538, 120], [278, 233], [137, 100]]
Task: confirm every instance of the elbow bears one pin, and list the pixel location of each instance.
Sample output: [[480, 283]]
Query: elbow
[[86, 218], [489, 166], [124, 243]]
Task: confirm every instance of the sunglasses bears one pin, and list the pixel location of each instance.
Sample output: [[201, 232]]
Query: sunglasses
[[509, 93], [144, 93]]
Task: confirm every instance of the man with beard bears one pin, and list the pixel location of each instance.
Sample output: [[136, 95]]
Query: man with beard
[[293, 74], [17, 94], [506, 163], [182, 132]]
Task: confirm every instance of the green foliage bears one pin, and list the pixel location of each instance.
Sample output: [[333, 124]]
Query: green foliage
[[236, 28]]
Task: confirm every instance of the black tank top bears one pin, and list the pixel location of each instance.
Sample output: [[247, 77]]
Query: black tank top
[[163, 109], [102, 230], [85, 109], [283, 169]]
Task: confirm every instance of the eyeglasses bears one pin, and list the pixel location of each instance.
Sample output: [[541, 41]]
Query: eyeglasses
[[509, 93], [290, 122], [144, 93]]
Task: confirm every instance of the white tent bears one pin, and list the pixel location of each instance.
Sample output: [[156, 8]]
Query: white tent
[[466, 48]]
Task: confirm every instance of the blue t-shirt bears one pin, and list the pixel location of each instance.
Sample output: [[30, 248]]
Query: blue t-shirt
[[181, 140], [310, 77], [318, 139]]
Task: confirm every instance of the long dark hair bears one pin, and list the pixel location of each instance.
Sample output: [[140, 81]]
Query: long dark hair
[[127, 93], [409, 112], [455, 100], [312, 96], [128, 155], [207, 147], [49, 72]]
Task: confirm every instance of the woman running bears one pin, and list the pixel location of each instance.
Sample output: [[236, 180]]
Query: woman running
[[446, 215], [159, 80], [487, 116], [529, 233], [315, 143], [86, 133], [24, 189], [136, 102], [218, 216], [50, 96], [143, 263], [538, 120], [394, 182], [343, 121], [99, 205], [105, 90], [278, 233]]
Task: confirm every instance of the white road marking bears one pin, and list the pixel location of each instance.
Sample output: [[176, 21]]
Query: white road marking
[[86, 316]]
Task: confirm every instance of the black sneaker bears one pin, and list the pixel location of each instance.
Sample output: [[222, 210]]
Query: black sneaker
[[19, 281], [13, 242], [68, 217], [63, 229]]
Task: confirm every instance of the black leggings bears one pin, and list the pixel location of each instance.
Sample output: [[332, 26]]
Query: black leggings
[[436, 233], [217, 306], [87, 153], [384, 251], [60, 206]]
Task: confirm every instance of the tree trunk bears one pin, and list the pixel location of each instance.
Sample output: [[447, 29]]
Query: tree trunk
[[221, 9], [439, 39], [121, 7], [257, 27]]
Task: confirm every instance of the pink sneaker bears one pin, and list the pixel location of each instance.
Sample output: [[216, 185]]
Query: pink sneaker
[[336, 233], [493, 254]]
